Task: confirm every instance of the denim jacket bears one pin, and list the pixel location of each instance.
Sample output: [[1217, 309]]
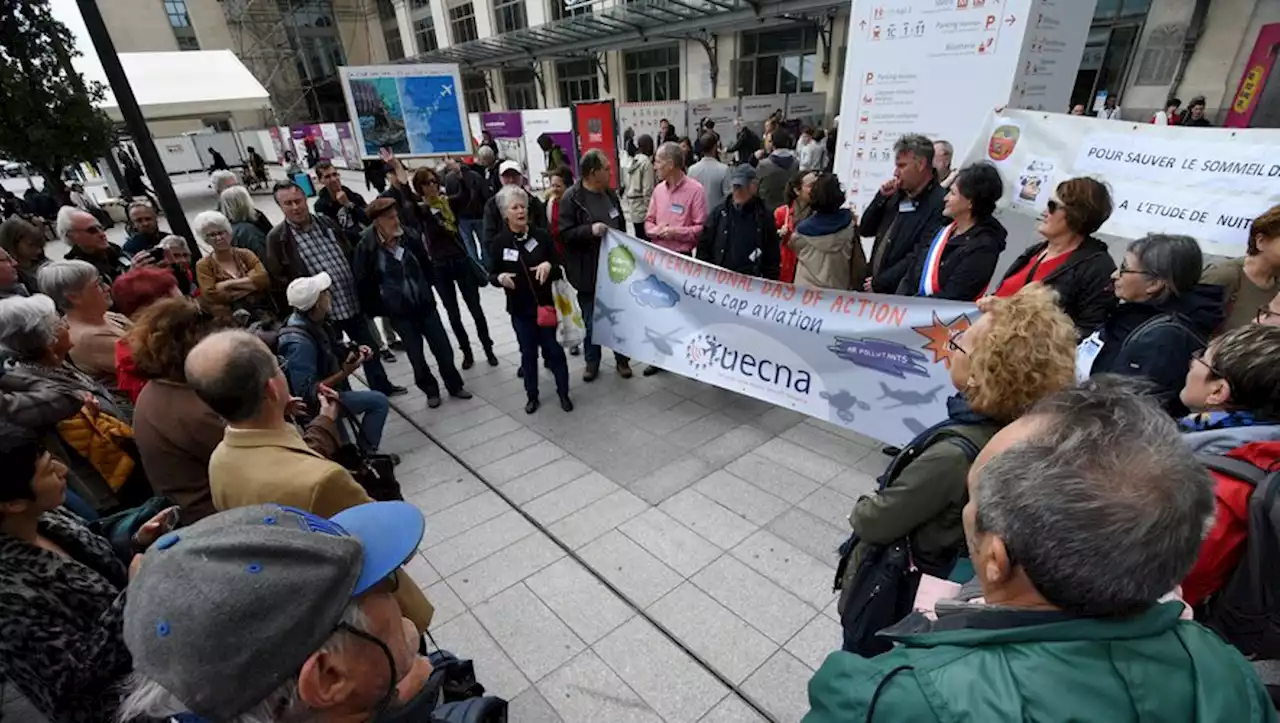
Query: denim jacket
[[309, 356]]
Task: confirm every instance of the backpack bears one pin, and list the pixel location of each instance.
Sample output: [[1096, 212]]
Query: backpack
[[1246, 611]]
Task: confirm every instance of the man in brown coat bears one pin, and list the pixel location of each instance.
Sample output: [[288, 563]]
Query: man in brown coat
[[262, 459]]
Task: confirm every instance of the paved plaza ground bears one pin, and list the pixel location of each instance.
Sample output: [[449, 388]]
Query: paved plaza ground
[[566, 552]]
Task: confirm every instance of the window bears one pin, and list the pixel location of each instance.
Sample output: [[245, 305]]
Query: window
[[424, 31], [509, 15], [652, 74], [520, 87], [476, 92], [177, 12], [778, 61], [395, 46], [386, 11], [1160, 57], [578, 80], [560, 12], [419, 5], [462, 22]]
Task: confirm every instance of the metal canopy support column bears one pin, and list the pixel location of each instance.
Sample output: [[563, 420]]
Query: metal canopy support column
[[542, 83], [710, 43], [603, 66], [825, 27]]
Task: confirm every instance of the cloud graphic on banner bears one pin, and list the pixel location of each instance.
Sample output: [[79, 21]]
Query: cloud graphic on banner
[[907, 397], [844, 403], [654, 292], [886, 357], [939, 334]]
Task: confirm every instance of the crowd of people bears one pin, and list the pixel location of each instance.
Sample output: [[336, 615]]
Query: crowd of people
[[179, 436]]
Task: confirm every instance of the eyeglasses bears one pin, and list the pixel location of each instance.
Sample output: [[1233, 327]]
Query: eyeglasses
[[1126, 270], [1198, 356], [953, 343], [92, 229], [1264, 313], [1055, 205]]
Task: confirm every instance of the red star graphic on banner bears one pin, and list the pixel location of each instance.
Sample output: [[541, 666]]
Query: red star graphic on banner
[[939, 333]]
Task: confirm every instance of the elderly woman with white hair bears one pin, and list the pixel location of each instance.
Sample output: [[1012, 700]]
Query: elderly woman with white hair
[[249, 225], [78, 291], [524, 261], [230, 278]]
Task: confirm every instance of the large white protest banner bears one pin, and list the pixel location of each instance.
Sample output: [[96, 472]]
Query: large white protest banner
[[1208, 183], [875, 364], [938, 67]]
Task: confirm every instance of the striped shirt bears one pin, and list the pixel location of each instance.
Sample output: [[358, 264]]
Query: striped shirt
[[320, 251]]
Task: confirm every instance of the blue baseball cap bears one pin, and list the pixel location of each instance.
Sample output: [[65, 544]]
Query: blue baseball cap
[[223, 612]]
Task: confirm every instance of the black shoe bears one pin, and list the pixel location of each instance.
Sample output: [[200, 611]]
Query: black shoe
[[395, 459], [468, 361], [490, 357], [891, 450], [592, 371], [462, 393], [650, 371], [433, 400], [624, 369], [575, 350], [532, 406], [398, 345], [566, 403], [394, 391], [387, 356], [520, 372]]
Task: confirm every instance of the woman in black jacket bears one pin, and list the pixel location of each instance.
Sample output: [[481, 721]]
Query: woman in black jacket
[[1164, 317], [959, 261], [524, 262], [1070, 260]]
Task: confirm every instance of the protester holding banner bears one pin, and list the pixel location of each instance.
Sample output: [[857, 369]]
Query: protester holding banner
[[828, 253], [1162, 319], [904, 215], [1070, 260], [1250, 283], [678, 207], [1016, 354], [587, 211], [960, 260], [638, 185], [738, 235], [524, 263]]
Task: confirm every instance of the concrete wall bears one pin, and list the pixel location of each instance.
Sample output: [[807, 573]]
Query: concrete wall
[[210, 22], [139, 26]]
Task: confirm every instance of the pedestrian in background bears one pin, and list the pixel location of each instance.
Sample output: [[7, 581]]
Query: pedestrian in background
[[638, 186], [785, 218], [828, 254], [1251, 281], [777, 169], [943, 152], [745, 144], [739, 235], [811, 152], [904, 215], [709, 172]]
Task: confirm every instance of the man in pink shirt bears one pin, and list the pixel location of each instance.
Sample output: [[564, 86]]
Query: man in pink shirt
[[678, 206]]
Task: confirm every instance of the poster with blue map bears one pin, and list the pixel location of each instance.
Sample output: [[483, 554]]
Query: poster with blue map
[[415, 110]]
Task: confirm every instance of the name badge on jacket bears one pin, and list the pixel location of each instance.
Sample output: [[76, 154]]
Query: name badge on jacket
[[530, 245], [613, 213], [510, 255], [677, 208], [907, 207]]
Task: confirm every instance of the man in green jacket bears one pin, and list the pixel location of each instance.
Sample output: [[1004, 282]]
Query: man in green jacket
[[1081, 515]]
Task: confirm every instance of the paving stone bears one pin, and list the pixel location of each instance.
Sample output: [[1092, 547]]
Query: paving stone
[[671, 682], [809, 533], [777, 420], [478, 543], [639, 575], [732, 445], [861, 440], [597, 518], [494, 670], [699, 432], [589, 608], [677, 546], [831, 506], [829, 445], [783, 563], [462, 517], [685, 412], [853, 482], [544, 479], [670, 479], [508, 445], [530, 634], [781, 685], [518, 465], [805, 461], [747, 500], [723, 639], [707, 518], [446, 603], [423, 574], [504, 568], [755, 598], [820, 638], [772, 477], [531, 707], [732, 710], [428, 476], [564, 501], [446, 494], [479, 434], [585, 690]]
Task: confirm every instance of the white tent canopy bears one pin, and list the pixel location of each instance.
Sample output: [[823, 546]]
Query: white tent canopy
[[187, 84]]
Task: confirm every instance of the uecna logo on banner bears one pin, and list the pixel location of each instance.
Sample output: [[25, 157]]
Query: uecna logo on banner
[[705, 352]]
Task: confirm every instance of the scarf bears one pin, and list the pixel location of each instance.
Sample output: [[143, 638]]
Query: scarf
[[930, 281], [447, 218], [1204, 421]]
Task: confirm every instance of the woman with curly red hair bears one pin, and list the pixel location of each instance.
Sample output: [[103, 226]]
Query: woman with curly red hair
[[133, 292]]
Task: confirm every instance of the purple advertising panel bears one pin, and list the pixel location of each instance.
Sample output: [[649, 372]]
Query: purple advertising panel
[[503, 125]]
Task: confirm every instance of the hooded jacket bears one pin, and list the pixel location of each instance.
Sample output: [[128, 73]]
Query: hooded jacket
[[1083, 282], [827, 251], [733, 234], [637, 188], [968, 261], [745, 145], [998, 666], [899, 224], [1159, 350], [775, 171]]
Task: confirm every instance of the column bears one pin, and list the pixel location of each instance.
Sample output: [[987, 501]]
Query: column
[[405, 24], [440, 15]]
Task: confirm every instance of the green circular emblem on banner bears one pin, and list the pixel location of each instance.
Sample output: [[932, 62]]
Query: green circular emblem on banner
[[621, 264]]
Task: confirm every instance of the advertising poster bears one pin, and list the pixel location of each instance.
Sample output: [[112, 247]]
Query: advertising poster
[[415, 109], [506, 128], [276, 146], [331, 145], [1261, 62], [755, 109], [647, 118], [875, 364], [349, 150], [1208, 183], [807, 109], [722, 111], [910, 69], [299, 136], [557, 124], [594, 129]]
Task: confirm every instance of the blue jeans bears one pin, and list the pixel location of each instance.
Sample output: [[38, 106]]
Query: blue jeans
[[470, 231], [370, 408], [591, 352], [531, 338]]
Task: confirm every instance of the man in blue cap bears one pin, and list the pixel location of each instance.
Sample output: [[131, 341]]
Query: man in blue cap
[[270, 613]]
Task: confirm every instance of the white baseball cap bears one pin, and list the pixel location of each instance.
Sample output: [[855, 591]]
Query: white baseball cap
[[510, 166], [304, 292]]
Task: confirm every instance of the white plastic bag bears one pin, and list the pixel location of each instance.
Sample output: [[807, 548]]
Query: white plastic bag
[[571, 330]]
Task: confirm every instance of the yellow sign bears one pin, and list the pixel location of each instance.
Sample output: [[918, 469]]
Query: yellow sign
[[1248, 89]]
